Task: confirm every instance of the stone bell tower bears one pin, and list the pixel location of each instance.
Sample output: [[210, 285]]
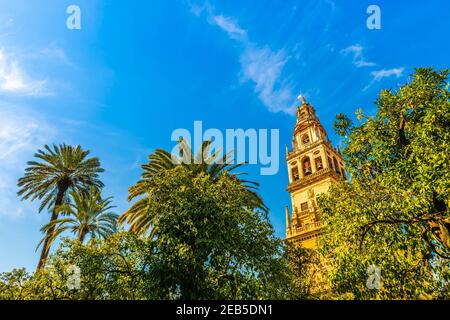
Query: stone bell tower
[[313, 165]]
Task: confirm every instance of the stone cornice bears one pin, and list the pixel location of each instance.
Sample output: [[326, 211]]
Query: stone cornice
[[294, 153], [309, 179]]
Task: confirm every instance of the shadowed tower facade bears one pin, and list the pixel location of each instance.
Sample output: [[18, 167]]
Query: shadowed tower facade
[[313, 165]]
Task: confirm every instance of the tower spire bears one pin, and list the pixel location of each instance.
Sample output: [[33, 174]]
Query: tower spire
[[304, 100], [288, 218]]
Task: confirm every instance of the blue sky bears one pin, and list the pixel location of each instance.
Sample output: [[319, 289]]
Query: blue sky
[[138, 70]]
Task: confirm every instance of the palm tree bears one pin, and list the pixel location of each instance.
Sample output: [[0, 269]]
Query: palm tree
[[204, 162], [88, 214], [62, 169]]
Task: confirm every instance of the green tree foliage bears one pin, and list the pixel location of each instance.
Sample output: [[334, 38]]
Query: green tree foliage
[[209, 242], [14, 285], [124, 266], [205, 163], [342, 124], [395, 212], [109, 269], [57, 171], [300, 271], [88, 214]]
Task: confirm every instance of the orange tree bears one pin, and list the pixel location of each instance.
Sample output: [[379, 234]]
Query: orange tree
[[394, 214]]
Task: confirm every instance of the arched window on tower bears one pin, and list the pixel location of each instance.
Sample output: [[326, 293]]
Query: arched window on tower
[[306, 165], [295, 175], [336, 166], [341, 166], [305, 139], [319, 164], [321, 134], [330, 163]]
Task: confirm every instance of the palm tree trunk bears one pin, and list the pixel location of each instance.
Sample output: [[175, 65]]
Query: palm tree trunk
[[47, 243], [82, 235]]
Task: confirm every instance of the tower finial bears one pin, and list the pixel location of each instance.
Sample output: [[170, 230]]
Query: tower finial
[[302, 99]]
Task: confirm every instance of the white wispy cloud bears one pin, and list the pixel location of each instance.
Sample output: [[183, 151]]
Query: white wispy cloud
[[55, 53], [384, 73], [231, 27], [358, 59], [259, 63], [20, 136], [263, 67], [362, 63], [14, 79], [197, 9]]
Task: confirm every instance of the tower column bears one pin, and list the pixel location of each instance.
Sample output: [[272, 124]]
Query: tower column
[[325, 157], [291, 178], [313, 163], [288, 221], [300, 169]]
